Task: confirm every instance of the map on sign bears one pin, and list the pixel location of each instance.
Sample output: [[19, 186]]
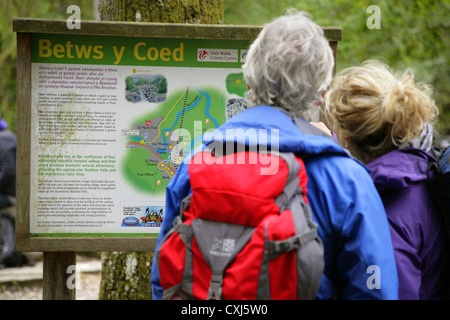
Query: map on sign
[[157, 142]]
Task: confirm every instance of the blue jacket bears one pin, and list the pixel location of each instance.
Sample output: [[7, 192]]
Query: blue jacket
[[358, 253]]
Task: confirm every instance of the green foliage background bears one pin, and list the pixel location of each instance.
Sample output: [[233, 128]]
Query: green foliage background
[[46, 9], [413, 34]]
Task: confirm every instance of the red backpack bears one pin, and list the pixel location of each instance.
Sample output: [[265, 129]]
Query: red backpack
[[243, 233]]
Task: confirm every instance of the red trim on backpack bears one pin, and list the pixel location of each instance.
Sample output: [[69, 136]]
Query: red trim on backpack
[[283, 269], [172, 259]]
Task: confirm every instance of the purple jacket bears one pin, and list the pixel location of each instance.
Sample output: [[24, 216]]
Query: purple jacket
[[417, 233]]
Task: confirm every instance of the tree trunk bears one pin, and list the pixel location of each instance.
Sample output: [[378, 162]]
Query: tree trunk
[[126, 275], [167, 11]]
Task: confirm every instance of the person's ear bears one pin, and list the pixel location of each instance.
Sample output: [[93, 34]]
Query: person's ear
[[320, 102]]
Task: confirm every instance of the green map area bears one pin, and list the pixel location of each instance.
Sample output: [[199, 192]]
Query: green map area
[[236, 84], [155, 152], [157, 142]]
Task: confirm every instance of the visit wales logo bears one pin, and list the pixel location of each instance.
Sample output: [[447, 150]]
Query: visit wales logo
[[202, 54]]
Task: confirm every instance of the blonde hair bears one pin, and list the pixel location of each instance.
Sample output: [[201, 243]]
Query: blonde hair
[[376, 111]]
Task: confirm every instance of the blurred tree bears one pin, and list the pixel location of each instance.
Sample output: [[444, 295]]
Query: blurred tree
[[129, 84], [413, 33], [162, 86], [55, 9], [174, 11]]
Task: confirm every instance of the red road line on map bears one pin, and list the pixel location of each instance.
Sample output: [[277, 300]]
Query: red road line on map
[[144, 145]]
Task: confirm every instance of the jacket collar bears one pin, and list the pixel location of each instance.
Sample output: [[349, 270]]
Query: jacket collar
[[272, 126]]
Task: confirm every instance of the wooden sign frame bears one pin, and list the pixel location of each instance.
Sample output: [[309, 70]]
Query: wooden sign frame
[[25, 27]]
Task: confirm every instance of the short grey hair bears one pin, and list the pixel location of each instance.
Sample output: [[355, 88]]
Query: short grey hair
[[289, 65]]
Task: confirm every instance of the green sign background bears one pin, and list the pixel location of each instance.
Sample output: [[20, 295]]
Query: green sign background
[[115, 51]]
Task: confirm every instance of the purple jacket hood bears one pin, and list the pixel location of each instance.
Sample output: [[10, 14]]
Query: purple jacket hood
[[400, 168]]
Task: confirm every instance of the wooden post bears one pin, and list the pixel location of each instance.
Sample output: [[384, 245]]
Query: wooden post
[[55, 275]]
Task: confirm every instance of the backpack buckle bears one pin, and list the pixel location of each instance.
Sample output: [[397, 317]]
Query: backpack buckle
[[215, 289], [290, 244]]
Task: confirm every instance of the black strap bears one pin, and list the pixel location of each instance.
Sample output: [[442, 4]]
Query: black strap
[[303, 126]]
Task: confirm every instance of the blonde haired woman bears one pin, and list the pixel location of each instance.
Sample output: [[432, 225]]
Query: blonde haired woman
[[385, 120]]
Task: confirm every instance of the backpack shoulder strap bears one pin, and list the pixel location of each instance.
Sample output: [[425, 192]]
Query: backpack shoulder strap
[[303, 126], [441, 183], [444, 161]]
